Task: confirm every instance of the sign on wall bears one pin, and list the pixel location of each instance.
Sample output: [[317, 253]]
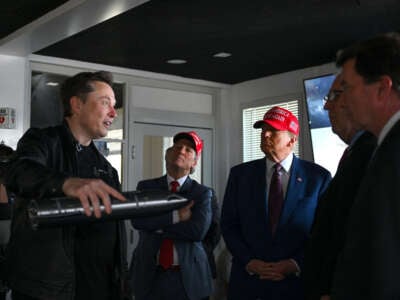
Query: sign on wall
[[7, 118]]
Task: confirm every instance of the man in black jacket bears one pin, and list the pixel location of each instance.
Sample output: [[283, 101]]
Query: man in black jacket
[[85, 261], [368, 266], [329, 229], [6, 154]]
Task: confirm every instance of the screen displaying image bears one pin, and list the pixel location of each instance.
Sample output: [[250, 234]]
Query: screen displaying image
[[327, 146]]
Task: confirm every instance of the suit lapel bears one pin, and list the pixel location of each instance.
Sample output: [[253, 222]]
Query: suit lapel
[[163, 183], [381, 150], [260, 191], [186, 186], [296, 180]]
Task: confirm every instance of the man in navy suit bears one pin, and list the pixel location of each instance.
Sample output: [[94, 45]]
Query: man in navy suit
[[368, 266], [267, 240], [329, 228], [169, 261]]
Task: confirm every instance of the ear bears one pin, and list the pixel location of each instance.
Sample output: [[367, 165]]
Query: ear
[[76, 104], [292, 140], [195, 161], [385, 87]]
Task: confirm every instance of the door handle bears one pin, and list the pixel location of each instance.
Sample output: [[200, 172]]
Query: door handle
[[133, 152]]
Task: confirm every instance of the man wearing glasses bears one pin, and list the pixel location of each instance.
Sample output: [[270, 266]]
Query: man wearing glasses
[[328, 231], [368, 266]]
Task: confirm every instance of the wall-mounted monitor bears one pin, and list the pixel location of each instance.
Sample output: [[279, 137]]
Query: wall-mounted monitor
[[327, 146]]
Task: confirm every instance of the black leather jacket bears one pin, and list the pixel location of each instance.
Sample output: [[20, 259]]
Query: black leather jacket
[[41, 263]]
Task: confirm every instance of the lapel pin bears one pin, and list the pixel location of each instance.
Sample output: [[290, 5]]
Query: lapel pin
[[299, 179]]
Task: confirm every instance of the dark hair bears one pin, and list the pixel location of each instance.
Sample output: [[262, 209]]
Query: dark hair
[[5, 152], [375, 57], [79, 85]]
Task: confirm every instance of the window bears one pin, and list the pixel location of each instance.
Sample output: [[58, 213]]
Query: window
[[320, 126], [251, 136]]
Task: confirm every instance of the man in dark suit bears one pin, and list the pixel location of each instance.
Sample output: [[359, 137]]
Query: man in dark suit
[[328, 231], [169, 261], [268, 211], [369, 264]]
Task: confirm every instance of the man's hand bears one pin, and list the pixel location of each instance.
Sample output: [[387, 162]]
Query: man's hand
[[3, 194], [90, 192], [185, 213], [272, 270], [285, 267], [264, 270]]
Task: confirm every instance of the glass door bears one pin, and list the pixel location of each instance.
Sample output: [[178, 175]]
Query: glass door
[[149, 142]]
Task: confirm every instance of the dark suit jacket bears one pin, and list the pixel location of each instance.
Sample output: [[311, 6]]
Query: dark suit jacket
[[5, 211], [244, 223], [187, 236], [213, 234], [328, 231], [368, 267]]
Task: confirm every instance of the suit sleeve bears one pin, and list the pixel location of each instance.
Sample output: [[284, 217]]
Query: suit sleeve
[[196, 227], [230, 222], [213, 234], [151, 223], [325, 179], [325, 183], [193, 230]]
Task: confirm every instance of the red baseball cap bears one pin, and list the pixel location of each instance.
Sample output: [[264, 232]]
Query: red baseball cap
[[193, 137], [280, 119]]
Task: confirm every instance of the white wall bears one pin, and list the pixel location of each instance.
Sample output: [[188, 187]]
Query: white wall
[[13, 88]]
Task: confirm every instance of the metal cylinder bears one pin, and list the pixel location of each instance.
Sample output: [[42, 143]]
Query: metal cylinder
[[67, 211]]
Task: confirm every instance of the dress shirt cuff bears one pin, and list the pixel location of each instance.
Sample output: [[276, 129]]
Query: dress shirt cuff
[[175, 219], [247, 270], [175, 216], [297, 273]]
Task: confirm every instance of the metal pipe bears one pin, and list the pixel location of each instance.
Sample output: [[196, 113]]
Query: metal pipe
[[67, 211]]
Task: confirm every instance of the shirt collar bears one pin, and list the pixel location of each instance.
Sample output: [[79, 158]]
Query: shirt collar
[[355, 137], [286, 163], [389, 124], [180, 180]]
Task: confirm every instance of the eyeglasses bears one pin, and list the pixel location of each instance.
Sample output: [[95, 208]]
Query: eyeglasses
[[332, 95]]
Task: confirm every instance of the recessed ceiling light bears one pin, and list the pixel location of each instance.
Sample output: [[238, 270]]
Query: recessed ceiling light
[[222, 54], [176, 61], [52, 83]]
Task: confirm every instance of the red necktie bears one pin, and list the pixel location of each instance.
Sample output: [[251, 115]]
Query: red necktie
[[275, 198], [166, 257]]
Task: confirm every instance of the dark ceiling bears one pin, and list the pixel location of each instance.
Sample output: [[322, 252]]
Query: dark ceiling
[[264, 37], [17, 13]]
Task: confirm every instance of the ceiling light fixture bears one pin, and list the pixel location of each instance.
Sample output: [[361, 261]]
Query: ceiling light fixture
[[52, 83], [222, 54], [176, 61]]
